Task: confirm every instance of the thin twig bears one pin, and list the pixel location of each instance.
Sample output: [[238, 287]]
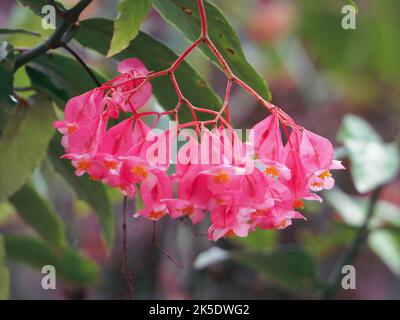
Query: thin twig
[[351, 253], [195, 233], [19, 89], [59, 10], [83, 64], [126, 275], [55, 40]]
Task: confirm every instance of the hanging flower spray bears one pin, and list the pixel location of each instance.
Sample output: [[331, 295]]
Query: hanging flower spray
[[242, 184]]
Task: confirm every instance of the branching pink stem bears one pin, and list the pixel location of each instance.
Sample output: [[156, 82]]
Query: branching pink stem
[[223, 115]]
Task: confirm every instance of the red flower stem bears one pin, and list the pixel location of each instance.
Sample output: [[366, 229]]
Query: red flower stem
[[225, 105], [220, 58], [205, 38], [205, 110], [184, 55], [176, 87], [203, 19]]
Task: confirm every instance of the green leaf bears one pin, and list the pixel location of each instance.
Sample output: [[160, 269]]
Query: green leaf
[[7, 102], [19, 31], [259, 240], [373, 162], [131, 14], [40, 215], [184, 15], [24, 144], [42, 83], [351, 2], [7, 57], [386, 245], [4, 274], [353, 210], [326, 243], [290, 267], [69, 264], [96, 34], [65, 74], [91, 192], [356, 128], [60, 83], [35, 5]]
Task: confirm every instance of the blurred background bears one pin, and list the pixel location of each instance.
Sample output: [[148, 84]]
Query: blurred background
[[330, 80]]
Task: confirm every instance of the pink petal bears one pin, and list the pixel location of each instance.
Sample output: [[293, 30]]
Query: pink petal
[[132, 64]]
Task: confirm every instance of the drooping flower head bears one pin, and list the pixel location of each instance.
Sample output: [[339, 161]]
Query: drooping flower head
[[240, 185]]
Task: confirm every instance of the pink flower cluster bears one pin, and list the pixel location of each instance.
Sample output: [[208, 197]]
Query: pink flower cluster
[[242, 185]]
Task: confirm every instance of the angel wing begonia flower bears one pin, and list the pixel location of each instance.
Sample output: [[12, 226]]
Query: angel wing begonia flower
[[314, 159], [82, 120], [242, 185], [81, 109], [278, 216], [182, 208], [269, 148], [322, 179], [132, 90], [229, 220]]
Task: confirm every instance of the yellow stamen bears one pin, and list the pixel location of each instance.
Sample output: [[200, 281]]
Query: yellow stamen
[[283, 224], [71, 129], [109, 164], [325, 174], [222, 177], [188, 211], [258, 212], [298, 204], [157, 214], [316, 185], [230, 233], [94, 178], [139, 172], [273, 171], [220, 201], [83, 165]]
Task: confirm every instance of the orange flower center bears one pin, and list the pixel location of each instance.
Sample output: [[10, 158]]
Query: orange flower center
[[258, 212], [283, 224], [139, 172], [325, 174], [316, 184], [157, 214], [222, 177], [123, 187], [273, 171], [229, 234], [83, 165], [188, 210], [220, 201], [109, 164], [71, 129], [298, 204]]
